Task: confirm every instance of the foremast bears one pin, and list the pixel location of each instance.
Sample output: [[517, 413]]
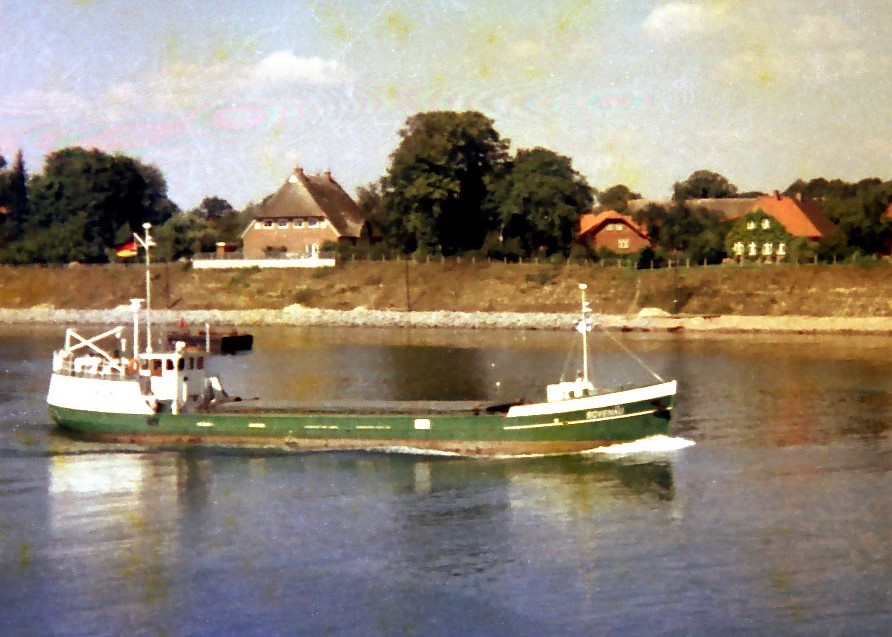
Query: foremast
[[584, 326], [146, 243]]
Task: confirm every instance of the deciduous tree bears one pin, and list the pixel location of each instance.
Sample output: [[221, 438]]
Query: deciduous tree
[[85, 201], [703, 184], [541, 201], [617, 197], [436, 193]]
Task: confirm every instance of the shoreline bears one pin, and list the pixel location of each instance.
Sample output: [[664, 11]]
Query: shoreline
[[647, 320]]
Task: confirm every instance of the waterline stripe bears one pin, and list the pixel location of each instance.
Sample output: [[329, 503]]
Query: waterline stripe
[[579, 422]]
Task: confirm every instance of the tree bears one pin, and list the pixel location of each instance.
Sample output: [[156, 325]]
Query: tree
[[436, 193], [213, 208], [821, 188], [184, 235], [682, 232], [13, 200], [617, 198], [862, 225], [85, 201], [858, 210], [540, 201], [703, 184]]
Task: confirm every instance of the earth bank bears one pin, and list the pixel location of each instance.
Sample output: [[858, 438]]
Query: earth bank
[[807, 298]]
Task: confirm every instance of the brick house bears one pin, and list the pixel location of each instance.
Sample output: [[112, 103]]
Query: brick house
[[610, 230], [306, 212]]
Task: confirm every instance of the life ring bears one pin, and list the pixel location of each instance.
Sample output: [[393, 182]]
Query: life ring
[[132, 366]]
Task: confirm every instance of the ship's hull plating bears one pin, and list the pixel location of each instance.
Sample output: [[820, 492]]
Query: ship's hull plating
[[593, 425]]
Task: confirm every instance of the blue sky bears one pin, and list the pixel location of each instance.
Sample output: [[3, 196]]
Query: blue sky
[[227, 97]]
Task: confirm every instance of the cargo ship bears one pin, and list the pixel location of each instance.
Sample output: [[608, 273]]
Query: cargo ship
[[108, 390]]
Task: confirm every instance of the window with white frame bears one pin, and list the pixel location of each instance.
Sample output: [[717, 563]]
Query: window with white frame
[[766, 223], [738, 249], [268, 223], [767, 249], [283, 223], [781, 249], [750, 225], [623, 244], [752, 248]]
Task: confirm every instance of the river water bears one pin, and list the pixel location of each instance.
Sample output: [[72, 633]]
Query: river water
[[775, 521]]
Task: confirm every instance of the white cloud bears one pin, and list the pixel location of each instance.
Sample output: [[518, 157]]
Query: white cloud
[[184, 87], [677, 20], [283, 67]]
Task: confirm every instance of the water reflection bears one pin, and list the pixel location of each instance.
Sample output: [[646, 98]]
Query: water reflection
[[774, 523]]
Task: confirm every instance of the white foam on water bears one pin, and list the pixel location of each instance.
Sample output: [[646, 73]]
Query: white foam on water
[[415, 451], [651, 444]]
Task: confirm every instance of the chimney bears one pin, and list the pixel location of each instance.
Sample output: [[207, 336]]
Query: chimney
[[798, 196], [777, 195], [328, 175], [298, 171]]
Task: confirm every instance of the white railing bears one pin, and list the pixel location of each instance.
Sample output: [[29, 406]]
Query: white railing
[[209, 261]]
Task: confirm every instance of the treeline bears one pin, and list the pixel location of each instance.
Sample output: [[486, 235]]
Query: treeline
[[86, 201], [453, 187]]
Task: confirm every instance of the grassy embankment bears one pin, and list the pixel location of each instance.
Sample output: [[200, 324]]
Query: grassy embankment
[[808, 290]]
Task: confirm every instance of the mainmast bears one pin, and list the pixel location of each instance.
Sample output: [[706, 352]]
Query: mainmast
[[146, 244]]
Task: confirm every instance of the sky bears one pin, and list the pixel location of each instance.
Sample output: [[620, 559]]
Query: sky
[[227, 97]]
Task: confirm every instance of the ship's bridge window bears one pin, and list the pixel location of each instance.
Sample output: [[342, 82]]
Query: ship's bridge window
[[181, 364], [156, 367], [168, 364], [201, 362]]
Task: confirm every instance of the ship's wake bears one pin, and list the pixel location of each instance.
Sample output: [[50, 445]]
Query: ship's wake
[[652, 444]]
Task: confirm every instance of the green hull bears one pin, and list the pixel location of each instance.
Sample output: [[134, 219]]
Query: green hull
[[465, 433]]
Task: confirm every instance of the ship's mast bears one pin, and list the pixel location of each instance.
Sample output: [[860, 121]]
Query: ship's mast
[[584, 327], [147, 244], [134, 307]]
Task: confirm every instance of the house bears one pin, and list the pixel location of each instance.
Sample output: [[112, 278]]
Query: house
[[801, 217], [610, 230], [766, 231], [305, 213]]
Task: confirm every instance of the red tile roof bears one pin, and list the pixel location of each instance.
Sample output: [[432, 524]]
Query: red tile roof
[[592, 223], [801, 217]]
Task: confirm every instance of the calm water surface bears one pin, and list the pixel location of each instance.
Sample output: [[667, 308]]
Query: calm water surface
[[776, 522]]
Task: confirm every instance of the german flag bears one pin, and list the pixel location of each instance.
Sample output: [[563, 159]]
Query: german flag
[[126, 249]]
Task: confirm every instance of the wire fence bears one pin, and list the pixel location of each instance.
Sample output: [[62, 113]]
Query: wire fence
[[630, 262]]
